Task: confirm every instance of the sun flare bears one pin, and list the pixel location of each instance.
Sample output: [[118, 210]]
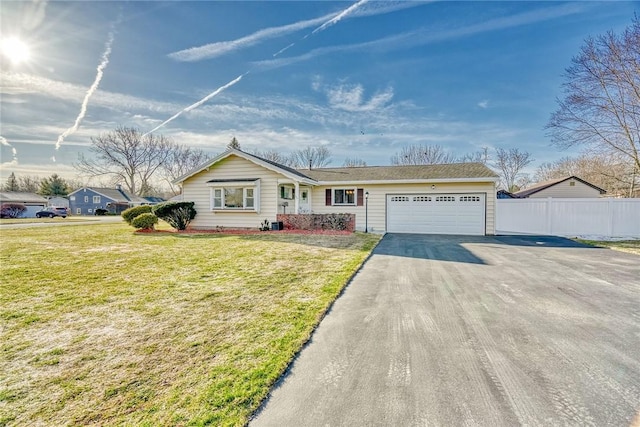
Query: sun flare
[[15, 50]]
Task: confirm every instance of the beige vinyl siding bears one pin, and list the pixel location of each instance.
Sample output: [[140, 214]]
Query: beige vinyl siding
[[566, 190], [197, 190], [378, 196]]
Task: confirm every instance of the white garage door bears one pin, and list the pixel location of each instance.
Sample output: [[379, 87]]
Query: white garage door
[[436, 213], [31, 211]]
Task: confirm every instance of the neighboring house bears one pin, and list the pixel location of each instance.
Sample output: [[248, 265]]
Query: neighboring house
[[154, 200], [32, 201], [504, 194], [567, 187], [58, 202], [238, 189], [86, 200]]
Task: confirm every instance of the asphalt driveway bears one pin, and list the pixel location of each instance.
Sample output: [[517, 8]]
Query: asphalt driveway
[[452, 330]]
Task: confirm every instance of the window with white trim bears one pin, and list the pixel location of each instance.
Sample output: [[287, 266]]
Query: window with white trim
[[96, 199], [288, 193], [86, 199], [235, 195], [344, 196]]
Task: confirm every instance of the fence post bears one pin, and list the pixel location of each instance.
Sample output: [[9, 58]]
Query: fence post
[[548, 213], [610, 212]]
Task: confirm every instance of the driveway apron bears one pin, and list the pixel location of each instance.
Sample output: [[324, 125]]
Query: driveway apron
[[457, 330]]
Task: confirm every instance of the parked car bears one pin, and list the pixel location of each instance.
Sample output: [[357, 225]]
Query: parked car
[[51, 211]]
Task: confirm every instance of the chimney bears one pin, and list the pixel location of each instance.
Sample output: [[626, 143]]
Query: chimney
[[309, 164]]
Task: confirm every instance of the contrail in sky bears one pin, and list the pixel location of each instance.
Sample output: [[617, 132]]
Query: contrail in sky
[[100, 71], [339, 16], [282, 50], [327, 24], [4, 142], [199, 103]]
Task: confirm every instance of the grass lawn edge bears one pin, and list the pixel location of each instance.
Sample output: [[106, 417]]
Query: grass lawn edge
[[282, 375], [630, 246]]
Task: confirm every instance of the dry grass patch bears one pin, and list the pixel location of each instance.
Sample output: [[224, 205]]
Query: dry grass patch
[[630, 246], [102, 326], [38, 220]]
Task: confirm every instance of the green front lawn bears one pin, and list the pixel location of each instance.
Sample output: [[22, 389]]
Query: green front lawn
[[102, 326]]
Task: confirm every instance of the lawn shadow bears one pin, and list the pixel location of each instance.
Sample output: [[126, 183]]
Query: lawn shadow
[[330, 241]]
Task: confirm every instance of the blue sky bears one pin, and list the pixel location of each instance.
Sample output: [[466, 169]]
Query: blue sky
[[362, 78]]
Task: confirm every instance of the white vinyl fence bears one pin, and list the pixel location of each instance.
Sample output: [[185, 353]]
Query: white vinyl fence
[[569, 217]]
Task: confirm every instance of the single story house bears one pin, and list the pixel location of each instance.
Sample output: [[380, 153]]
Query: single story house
[[86, 200], [34, 202], [238, 189], [567, 187]]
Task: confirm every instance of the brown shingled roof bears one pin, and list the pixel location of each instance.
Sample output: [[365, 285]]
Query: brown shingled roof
[[399, 173]]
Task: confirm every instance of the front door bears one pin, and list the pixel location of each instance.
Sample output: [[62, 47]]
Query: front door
[[305, 205]]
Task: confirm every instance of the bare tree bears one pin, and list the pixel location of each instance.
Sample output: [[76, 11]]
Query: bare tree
[[181, 160], [610, 173], [422, 155], [353, 162], [481, 156], [311, 157], [274, 156], [29, 184], [127, 156], [510, 164], [601, 104]]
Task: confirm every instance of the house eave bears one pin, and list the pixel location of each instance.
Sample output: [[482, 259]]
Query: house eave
[[410, 181]]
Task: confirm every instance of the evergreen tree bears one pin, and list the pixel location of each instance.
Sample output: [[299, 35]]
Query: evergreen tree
[[12, 183], [234, 144], [53, 186]]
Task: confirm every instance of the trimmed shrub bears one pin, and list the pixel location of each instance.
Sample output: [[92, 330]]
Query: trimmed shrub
[[12, 210], [333, 221], [177, 214], [130, 214], [336, 221], [145, 221]]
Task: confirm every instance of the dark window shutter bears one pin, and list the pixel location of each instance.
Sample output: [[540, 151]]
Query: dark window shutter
[[360, 196], [327, 197]]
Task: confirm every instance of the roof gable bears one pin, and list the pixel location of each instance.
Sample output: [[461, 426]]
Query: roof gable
[[267, 164], [546, 184]]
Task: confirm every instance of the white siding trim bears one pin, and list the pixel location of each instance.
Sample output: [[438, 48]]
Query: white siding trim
[[406, 181]]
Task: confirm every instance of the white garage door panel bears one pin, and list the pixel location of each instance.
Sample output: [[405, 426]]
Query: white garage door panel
[[436, 213]]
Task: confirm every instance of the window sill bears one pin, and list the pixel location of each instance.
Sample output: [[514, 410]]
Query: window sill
[[344, 204], [249, 210]]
